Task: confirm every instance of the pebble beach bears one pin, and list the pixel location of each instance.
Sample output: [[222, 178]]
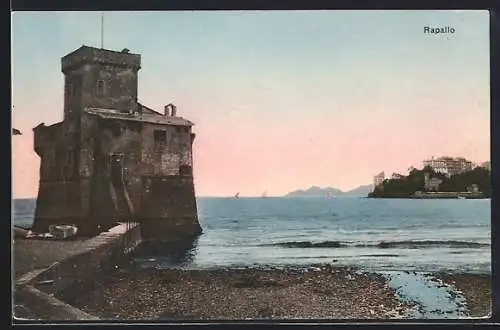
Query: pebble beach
[[319, 292]]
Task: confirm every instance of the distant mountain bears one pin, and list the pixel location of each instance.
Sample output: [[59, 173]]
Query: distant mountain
[[360, 191], [316, 191]]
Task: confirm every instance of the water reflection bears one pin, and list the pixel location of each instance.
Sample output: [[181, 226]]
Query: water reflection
[[166, 253]]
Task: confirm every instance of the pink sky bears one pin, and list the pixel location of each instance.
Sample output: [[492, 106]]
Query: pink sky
[[268, 118]]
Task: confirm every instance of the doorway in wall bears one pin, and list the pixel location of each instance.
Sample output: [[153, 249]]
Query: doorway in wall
[[116, 167]]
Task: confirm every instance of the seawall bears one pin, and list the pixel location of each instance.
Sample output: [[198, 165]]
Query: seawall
[[47, 292]]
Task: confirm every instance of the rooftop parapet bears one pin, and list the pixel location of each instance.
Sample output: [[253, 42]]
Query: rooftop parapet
[[91, 55], [147, 118]]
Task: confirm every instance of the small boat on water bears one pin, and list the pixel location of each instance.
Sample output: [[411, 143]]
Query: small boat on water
[[237, 195], [264, 194], [461, 197]]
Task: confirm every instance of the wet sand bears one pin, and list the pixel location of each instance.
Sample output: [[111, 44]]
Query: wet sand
[[476, 289], [322, 292]]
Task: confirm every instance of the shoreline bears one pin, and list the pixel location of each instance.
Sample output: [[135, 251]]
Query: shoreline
[[432, 195], [424, 197], [414, 197], [316, 292]]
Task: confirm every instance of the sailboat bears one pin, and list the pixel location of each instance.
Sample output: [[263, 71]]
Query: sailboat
[[264, 194], [237, 195]]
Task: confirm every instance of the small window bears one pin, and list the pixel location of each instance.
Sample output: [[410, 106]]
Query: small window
[[160, 137], [185, 170], [100, 87]]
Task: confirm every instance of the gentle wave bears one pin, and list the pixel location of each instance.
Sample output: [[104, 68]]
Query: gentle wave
[[424, 244], [383, 245], [308, 244]]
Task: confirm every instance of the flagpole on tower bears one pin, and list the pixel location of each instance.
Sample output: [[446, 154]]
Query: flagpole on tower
[[102, 30]]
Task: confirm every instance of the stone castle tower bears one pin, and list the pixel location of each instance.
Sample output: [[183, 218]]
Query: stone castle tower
[[113, 159]]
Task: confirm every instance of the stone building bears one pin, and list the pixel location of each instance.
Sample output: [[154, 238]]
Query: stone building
[[448, 165], [111, 158]]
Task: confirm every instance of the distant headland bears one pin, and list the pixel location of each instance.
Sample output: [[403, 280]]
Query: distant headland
[[316, 191], [429, 183]]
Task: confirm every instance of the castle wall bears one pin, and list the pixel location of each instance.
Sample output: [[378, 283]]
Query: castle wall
[[168, 202], [60, 190], [161, 159], [56, 148], [73, 83], [121, 137], [101, 79], [109, 87], [75, 180], [164, 201], [100, 56], [169, 207], [58, 200]]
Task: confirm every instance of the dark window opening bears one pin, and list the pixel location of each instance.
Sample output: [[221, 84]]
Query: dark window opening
[[116, 167], [160, 137], [185, 170], [100, 87]]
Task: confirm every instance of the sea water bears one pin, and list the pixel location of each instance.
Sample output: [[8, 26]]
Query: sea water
[[374, 234], [406, 240]]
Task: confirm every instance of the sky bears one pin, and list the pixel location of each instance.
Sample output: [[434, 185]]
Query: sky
[[281, 100]]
